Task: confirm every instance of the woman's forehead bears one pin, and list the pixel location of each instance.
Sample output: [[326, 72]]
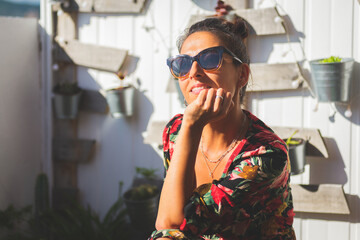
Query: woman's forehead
[[198, 41]]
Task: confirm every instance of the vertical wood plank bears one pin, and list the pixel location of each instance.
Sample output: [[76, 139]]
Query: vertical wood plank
[[66, 25], [341, 31], [65, 175], [354, 178]]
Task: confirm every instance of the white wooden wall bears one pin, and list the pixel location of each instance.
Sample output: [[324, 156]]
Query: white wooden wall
[[21, 120], [319, 28]]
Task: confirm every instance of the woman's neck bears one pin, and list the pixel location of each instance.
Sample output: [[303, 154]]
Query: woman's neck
[[218, 135]]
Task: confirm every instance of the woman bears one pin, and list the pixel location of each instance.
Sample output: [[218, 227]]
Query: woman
[[227, 172]]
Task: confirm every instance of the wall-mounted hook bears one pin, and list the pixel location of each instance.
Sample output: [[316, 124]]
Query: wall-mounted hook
[[316, 107], [55, 67], [348, 112]]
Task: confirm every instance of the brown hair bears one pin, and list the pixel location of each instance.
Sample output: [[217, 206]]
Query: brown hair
[[231, 32]]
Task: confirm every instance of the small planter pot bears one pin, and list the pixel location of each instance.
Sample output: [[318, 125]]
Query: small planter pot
[[121, 101], [142, 213], [332, 81], [297, 156], [66, 106]]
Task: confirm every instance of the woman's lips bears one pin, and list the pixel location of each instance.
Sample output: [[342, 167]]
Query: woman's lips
[[198, 89]]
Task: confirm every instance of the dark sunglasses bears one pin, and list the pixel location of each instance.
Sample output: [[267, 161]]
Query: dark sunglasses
[[209, 59]]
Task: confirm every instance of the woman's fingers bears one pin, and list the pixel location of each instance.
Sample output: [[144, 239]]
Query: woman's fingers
[[210, 105], [219, 99]]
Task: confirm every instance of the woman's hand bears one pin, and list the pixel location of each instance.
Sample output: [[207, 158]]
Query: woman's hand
[[210, 105]]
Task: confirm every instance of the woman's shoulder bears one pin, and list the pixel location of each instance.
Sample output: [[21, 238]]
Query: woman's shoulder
[[262, 135], [170, 133], [173, 126], [172, 129]]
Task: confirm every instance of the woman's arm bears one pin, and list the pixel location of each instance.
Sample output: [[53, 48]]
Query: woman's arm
[[180, 180]]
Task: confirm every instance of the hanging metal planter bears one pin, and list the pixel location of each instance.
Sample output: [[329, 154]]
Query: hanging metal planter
[[66, 100], [297, 155], [332, 80], [121, 101]]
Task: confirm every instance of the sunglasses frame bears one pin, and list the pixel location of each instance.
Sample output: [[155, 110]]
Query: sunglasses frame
[[220, 50]]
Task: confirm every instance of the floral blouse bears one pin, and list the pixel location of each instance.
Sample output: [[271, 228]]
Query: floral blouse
[[251, 200]]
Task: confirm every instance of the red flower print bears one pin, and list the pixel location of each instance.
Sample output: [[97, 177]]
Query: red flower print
[[255, 152], [220, 196]]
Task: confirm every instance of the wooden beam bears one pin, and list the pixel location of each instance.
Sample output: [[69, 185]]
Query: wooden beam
[[93, 101], [238, 4], [273, 77], [90, 55], [323, 198], [119, 6], [264, 21], [73, 150], [102, 6], [66, 25], [315, 146]]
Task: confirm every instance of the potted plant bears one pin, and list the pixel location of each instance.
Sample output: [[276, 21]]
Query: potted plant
[[332, 78], [142, 201], [66, 100], [121, 99], [74, 222], [297, 147]]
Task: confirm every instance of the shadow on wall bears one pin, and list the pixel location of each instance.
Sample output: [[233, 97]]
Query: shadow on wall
[[354, 99], [144, 154], [328, 170], [261, 47]]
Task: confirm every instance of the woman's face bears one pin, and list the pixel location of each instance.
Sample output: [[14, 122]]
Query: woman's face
[[228, 76]]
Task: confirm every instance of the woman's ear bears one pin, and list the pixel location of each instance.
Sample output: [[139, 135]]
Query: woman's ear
[[243, 76]]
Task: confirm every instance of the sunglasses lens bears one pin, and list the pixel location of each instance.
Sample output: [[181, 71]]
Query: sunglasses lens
[[180, 66], [210, 60]]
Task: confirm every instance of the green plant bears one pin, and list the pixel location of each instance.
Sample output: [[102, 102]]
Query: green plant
[[41, 194], [149, 173], [291, 141], [11, 217], [331, 59], [67, 88], [80, 223], [142, 192], [73, 223], [146, 187]]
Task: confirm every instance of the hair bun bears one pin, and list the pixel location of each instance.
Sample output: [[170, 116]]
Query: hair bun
[[241, 27], [237, 25]]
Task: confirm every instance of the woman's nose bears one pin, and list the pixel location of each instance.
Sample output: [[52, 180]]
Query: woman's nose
[[196, 70]]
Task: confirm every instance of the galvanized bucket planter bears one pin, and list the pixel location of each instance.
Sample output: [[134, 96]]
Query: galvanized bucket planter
[[66, 106], [121, 101], [332, 81], [297, 156]]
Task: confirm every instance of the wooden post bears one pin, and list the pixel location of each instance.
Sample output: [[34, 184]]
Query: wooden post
[[65, 173]]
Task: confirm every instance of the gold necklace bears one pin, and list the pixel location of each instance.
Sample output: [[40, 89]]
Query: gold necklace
[[231, 146]]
